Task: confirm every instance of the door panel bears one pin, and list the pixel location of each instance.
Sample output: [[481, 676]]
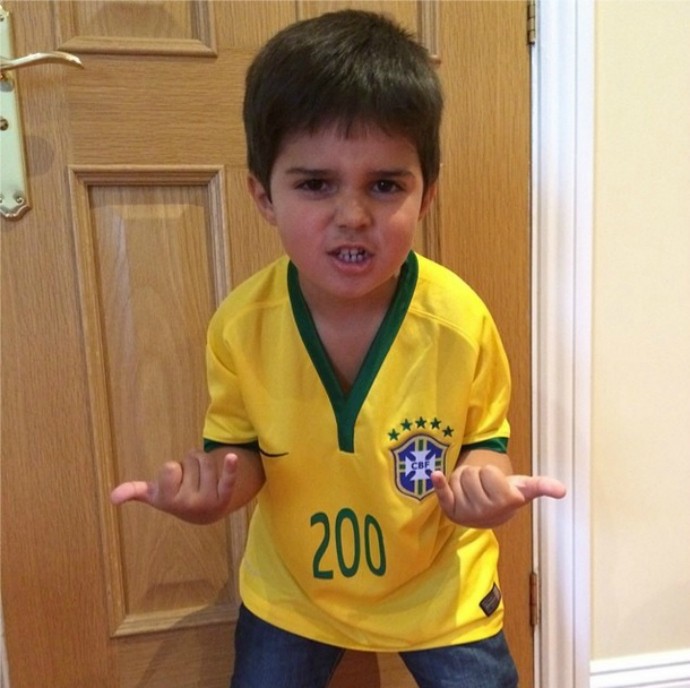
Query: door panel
[[145, 372], [139, 226]]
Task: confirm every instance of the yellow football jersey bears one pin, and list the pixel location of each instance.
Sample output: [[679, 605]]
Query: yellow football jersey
[[347, 544]]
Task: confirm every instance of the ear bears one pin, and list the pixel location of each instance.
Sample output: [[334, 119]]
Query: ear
[[261, 198], [428, 199]]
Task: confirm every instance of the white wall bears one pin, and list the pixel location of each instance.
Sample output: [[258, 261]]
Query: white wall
[[641, 329]]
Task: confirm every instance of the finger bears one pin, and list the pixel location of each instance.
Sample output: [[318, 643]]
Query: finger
[[208, 471], [472, 487], [169, 482], [191, 473], [136, 490], [228, 474], [532, 487], [496, 486], [444, 492]]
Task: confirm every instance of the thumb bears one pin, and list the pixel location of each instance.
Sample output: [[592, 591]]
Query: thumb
[[533, 486], [136, 490]]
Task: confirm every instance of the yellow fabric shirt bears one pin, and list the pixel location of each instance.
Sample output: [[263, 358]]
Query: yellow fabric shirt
[[347, 544]]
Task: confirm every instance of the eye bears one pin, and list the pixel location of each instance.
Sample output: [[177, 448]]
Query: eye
[[315, 185], [386, 186]]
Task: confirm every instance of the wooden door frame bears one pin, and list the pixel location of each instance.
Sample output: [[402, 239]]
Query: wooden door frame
[[562, 231], [562, 223]]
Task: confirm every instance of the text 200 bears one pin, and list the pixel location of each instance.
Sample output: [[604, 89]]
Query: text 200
[[348, 535]]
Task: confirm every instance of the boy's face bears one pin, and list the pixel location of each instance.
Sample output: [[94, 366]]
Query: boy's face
[[346, 209]]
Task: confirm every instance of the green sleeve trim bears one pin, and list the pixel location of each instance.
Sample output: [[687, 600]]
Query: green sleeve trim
[[497, 444], [210, 445]]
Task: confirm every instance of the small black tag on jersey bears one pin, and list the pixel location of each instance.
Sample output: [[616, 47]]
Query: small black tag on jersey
[[490, 603]]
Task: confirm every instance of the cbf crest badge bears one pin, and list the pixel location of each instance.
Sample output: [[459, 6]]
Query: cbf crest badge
[[417, 456]]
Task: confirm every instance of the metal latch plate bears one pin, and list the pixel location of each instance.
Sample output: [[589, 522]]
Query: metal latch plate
[[13, 187]]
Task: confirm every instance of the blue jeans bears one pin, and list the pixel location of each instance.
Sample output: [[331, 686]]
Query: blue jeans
[[268, 657]]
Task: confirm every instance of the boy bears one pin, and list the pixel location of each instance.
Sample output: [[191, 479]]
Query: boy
[[358, 391]]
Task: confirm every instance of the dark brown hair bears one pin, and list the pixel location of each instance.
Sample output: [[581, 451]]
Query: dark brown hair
[[346, 68]]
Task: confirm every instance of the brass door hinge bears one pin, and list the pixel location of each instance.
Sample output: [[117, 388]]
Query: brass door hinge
[[534, 605], [531, 22]]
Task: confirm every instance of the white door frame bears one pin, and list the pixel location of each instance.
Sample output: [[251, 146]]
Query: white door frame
[[563, 138]]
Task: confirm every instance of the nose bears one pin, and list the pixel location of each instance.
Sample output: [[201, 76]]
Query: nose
[[352, 211]]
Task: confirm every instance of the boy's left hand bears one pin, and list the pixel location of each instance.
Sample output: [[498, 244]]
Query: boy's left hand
[[485, 497]]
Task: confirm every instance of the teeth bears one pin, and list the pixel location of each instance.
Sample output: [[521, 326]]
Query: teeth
[[352, 255]]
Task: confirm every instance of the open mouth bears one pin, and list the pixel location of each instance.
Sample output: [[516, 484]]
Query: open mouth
[[351, 255]]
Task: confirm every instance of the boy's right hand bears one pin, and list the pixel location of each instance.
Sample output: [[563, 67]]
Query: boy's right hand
[[197, 489]]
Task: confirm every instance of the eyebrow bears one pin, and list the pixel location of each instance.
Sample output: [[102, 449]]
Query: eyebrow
[[323, 172]]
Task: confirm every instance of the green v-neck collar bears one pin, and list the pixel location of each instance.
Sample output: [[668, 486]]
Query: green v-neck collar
[[347, 405]]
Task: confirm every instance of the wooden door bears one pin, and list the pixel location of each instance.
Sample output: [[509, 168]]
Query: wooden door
[[140, 224]]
